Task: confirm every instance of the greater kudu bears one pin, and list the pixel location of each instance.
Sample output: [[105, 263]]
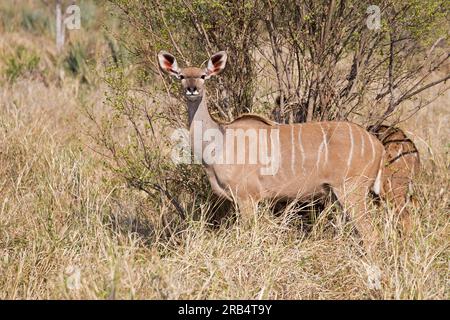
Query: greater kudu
[[308, 159]]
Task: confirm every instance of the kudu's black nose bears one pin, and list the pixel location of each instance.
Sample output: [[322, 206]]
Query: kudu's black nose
[[192, 91]]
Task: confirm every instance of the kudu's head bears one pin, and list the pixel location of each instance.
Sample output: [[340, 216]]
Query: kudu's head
[[192, 78]]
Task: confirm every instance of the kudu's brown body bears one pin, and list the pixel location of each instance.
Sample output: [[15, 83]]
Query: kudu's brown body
[[314, 157]]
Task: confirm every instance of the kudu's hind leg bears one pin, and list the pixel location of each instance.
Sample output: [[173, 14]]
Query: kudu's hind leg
[[248, 208], [396, 193], [352, 198]]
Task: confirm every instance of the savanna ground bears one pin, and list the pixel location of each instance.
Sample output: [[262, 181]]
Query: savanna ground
[[71, 228]]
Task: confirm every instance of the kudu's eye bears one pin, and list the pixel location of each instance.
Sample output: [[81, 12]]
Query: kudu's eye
[[203, 76], [181, 77]]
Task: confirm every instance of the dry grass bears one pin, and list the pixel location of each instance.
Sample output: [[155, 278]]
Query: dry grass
[[60, 210], [69, 229]]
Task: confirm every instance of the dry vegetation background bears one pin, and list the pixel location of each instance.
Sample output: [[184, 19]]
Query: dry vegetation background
[[85, 212]]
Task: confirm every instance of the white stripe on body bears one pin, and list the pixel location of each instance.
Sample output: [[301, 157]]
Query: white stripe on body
[[302, 150], [373, 147], [292, 150], [350, 154], [362, 143], [324, 143]]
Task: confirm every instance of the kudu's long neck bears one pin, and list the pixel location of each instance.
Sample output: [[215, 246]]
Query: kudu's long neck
[[199, 115], [199, 121]]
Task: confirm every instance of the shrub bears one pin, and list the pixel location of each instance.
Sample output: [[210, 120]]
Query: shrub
[[325, 61], [35, 21], [20, 64], [75, 61]]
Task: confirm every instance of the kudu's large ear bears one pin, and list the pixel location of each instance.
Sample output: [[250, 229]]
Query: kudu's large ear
[[216, 64], [168, 64]]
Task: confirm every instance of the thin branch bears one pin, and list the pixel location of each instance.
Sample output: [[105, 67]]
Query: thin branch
[[431, 84], [172, 39]]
